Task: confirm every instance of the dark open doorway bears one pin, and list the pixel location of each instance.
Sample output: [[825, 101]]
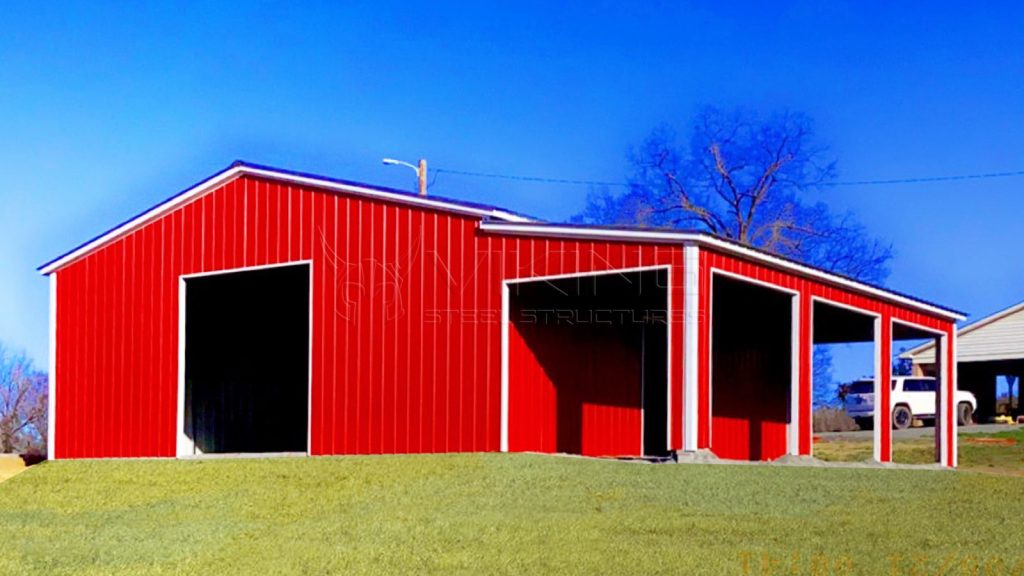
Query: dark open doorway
[[751, 370], [588, 364], [247, 360]]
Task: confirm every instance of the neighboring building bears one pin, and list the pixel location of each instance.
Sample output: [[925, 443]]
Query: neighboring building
[[265, 310], [987, 349]]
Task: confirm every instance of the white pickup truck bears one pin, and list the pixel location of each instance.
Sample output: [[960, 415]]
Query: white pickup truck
[[912, 397]]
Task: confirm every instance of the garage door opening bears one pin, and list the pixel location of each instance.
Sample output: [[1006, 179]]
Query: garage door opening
[[752, 353], [588, 364], [995, 386], [246, 377], [916, 402], [843, 381]]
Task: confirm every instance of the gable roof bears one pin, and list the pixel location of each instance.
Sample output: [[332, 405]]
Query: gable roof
[[240, 168], [1006, 344], [495, 219]]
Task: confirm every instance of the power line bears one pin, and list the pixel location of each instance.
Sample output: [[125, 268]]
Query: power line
[[982, 176], [529, 178], [879, 182]]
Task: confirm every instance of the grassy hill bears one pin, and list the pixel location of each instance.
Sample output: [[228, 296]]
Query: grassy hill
[[501, 514]]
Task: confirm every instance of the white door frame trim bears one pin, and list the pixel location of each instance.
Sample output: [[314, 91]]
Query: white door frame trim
[[876, 318], [793, 427], [184, 446], [505, 319]]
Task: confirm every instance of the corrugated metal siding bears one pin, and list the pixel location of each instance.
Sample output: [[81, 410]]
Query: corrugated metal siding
[[806, 288], [584, 401], [406, 318]]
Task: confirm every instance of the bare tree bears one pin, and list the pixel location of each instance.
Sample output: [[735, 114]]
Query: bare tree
[[23, 404], [748, 179], [902, 366]]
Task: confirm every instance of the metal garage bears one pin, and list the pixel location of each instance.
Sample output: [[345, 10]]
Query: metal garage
[[435, 325]]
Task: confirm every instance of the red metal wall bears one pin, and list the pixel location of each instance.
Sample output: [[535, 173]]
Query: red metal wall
[[555, 406], [733, 439], [406, 318]]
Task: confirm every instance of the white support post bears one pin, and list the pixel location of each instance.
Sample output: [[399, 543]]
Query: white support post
[[691, 352], [876, 434], [954, 371], [945, 418]]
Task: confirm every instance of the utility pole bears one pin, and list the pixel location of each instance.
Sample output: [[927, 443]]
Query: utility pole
[[421, 171]]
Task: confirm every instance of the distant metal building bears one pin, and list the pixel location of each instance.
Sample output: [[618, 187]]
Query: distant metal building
[[264, 310], [987, 348]]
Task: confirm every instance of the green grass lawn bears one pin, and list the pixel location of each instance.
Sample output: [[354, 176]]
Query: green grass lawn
[[501, 514], [977, 453]]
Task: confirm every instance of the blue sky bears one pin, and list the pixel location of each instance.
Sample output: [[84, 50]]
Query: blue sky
[[105, 111]]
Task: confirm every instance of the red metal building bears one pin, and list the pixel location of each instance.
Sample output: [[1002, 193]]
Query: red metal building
[[265, 310]]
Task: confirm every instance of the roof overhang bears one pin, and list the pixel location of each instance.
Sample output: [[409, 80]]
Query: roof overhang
[[239, 169], [704, 239]]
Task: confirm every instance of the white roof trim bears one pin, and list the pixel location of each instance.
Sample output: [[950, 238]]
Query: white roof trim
[[243, 169], [707, 240], [967, 329]]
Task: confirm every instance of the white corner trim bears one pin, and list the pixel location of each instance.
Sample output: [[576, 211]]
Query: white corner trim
[[504, 366], [183, 445], [226, 176], [724, 246], [51, 404], [795, 418], [691, 352]]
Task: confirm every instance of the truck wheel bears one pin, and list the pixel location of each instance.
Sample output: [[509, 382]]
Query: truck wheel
[[964, 414], [902, 417], [865, 423]]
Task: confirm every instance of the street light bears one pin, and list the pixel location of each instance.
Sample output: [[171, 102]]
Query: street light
[[421, 171]]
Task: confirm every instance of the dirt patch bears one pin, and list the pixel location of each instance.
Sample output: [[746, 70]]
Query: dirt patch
[[991, 441], [10, 464]]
